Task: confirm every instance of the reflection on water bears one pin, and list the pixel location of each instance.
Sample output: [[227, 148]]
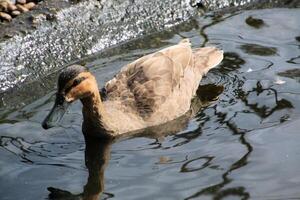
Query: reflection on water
[[241, 145], [259, 50], [291, 73], [255, 22], [97, 155], [232, 61]]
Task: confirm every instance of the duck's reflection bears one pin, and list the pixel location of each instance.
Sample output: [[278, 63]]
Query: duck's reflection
[[97, 155], [97, 150]]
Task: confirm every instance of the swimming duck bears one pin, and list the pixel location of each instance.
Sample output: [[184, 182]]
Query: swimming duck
[[150, 91]]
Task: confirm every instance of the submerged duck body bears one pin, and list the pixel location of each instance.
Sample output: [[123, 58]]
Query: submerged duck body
[[150, 91]]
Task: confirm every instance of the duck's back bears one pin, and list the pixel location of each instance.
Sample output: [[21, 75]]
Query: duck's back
[[159, 87]]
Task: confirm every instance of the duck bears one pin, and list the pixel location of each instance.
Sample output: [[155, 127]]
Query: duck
[[150, 91]]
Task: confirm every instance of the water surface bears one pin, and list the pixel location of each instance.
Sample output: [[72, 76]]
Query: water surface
[[243, 146]]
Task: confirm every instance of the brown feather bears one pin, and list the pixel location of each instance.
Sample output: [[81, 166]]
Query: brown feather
[[144, 85]]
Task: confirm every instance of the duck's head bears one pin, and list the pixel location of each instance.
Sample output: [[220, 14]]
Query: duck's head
[[74, 82]]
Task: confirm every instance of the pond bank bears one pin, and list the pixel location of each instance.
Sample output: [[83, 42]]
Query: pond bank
[[59, 32]]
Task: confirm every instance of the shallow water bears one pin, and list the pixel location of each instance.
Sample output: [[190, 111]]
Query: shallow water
[[243, 146]]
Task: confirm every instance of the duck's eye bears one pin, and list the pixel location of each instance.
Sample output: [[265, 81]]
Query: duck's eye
[[77, 81]]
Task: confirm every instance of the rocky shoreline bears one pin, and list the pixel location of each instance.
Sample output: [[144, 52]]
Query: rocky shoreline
[[56, 33], [11, 9]]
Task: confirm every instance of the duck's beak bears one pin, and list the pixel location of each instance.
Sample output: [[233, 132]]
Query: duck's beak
[[57, 112]]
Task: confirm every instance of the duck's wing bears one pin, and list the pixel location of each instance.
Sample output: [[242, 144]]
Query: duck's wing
[[146, 83]]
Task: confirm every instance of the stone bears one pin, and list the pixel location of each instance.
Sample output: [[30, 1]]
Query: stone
[[3, 6], [5, 16], [21, 1], [15, 13], [22, 8], [11, 7], [29, 6]]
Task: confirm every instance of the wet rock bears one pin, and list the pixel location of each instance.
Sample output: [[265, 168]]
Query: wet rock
[[5, 16], [255, 22]]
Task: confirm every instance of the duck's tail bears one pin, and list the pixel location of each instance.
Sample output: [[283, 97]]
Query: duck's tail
[[207, 58]]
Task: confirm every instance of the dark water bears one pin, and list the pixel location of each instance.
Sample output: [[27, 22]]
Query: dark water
[[243, 146]]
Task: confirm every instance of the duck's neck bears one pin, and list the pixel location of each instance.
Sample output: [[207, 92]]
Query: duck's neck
[[95, 116]]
